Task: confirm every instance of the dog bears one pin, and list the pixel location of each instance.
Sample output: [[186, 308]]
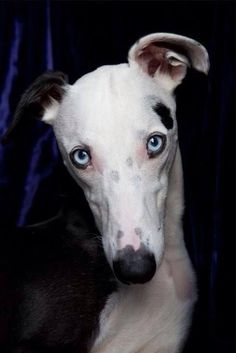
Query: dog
[[133, 288]]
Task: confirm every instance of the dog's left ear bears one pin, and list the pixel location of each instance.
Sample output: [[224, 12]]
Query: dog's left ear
[[165, 57], [41, 100]]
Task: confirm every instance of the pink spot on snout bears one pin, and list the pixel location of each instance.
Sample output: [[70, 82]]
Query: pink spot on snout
[[130, 238], [141, 155]]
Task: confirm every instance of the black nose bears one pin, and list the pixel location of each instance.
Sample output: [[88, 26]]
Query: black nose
[[132, 266]]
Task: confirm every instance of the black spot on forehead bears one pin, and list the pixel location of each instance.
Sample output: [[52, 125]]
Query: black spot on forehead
[[165, 115]]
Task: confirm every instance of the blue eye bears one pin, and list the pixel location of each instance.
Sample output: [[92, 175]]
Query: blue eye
[[155, 144], [80, 157]]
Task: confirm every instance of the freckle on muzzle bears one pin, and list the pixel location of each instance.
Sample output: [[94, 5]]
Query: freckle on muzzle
[[132, 266]]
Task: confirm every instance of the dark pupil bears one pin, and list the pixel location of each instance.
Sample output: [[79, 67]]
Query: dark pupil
[[82, 154], [154, 141]]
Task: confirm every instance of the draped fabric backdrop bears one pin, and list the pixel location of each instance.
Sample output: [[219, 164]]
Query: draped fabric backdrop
[[77, 37]]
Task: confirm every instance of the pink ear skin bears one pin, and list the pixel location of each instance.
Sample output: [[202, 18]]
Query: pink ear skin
[[154, 58], [165, 57]]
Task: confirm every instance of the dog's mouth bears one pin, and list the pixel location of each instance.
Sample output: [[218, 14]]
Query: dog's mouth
[[134, 267]]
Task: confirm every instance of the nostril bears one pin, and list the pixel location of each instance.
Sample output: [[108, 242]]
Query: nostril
[[134, 266]]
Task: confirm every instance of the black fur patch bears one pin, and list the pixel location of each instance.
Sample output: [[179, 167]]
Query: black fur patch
[[36, 98], [165, 115], [54, 281]]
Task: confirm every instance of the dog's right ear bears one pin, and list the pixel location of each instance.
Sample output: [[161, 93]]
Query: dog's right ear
[[41, 101], [165, 58]]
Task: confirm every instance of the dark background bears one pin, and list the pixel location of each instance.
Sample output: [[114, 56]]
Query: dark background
[[77, 37]]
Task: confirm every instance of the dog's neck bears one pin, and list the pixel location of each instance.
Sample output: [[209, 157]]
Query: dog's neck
[[174, 242]]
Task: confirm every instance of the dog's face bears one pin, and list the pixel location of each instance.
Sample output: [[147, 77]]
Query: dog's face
[[117, 135], [116, 130]]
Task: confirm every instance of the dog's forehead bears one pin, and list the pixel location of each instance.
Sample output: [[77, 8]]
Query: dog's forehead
[[112, 99]]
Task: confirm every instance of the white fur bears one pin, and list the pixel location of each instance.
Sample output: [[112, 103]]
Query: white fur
[[110, 110], [155, 317], [51, 112], [149, 317]]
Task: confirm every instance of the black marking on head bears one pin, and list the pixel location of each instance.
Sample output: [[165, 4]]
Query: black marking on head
[[165, 115], [129, 162], [115, 176], [120, 234], [139, 232]]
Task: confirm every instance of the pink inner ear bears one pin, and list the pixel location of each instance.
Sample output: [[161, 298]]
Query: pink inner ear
[[153, 58], [153, 65], [150, 59]]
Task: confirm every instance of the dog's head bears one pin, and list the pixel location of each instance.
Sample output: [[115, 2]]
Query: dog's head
[[117, 132]]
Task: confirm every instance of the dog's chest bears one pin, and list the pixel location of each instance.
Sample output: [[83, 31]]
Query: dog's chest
[[146, 319]]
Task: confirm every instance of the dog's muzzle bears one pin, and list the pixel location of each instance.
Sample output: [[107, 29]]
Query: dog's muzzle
[[132, 266]]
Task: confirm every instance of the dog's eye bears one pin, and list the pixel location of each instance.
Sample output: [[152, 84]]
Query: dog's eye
[[80, 157], [155, 144]]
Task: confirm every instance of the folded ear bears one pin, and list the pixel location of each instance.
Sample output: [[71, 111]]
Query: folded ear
[[166, 56], [41, 100]]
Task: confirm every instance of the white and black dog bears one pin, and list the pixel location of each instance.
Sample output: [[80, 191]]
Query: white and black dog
[[117, 133]]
